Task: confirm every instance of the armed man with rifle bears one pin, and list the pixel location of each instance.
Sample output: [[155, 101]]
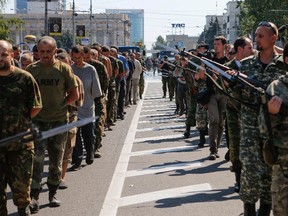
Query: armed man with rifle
[[217, 102], [279, 125], [265, 66], [244, 48]]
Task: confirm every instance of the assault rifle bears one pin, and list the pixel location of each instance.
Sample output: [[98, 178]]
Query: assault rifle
[[33, 134]]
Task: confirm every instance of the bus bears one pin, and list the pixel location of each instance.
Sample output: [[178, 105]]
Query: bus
[[128, 49], [170, 54]]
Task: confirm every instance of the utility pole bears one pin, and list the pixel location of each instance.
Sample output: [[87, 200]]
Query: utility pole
[[73, 22], [91, 26], [46, 18]]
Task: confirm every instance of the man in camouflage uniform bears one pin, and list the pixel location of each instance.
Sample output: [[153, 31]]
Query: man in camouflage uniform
[[111, 88], [265, 66], [20, 100], [279, 187], [58, 88], [164, 68], [191, 92], [200, 110], [243, 47], [142, 79], [100, 102]]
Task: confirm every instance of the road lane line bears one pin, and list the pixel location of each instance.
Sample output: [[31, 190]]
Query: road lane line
[[163, 150], [164, 194], [161, 128], [163, 138], [163, 168], [113, 195]]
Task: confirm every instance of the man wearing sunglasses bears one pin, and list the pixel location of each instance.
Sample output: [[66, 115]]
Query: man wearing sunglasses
[[265, 66]]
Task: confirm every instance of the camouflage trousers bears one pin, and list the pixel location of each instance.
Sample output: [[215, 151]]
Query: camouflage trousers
[[55, 146], [279, 191], [172, 85], [71, 140], [256, 175], [233, 124], [141, 84], [100, 110], [190, 109], [165, 81], [201, 117], [279, 187], [111, 103], [16, 171]]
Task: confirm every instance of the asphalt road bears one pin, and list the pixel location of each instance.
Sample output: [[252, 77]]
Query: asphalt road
[[148, 168]]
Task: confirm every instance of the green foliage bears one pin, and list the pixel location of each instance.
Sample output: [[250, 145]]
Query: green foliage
[[159, 40], [65, 41], [255, 11], [7, 24], [208, 35]]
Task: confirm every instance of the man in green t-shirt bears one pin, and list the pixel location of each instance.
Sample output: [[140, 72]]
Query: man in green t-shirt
[[58, 88]]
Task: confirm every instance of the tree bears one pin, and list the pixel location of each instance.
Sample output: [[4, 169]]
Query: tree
[[159, 40], [255, 11], [65, 41], [208, 35], [6, 25]]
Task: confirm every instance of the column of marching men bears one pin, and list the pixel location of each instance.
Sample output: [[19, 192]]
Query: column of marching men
[[94, 82], [214, 105], [98, 81]]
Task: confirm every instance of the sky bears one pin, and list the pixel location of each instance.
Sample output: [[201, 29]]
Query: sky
[[158, 14]]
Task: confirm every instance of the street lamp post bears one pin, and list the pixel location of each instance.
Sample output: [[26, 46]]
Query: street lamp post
[[46, 18], [21, 27], [73, 22]]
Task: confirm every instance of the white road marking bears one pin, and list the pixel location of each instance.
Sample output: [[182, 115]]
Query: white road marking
[[157, 115], [163, 168], [161, 128], [164, 194], [163, 150], [162, 138], [157, 110], [152, 121], [110, 204]]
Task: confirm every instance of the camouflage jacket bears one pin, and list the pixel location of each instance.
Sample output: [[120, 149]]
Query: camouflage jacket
[[102, 74], [280, 122], [253, 68], [19, 94]]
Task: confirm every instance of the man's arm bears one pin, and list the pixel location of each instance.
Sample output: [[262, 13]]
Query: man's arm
[[34, 112], [72, 95]]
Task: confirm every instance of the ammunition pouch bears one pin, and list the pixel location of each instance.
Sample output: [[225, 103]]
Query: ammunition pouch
[[269, 158], [203, 96]]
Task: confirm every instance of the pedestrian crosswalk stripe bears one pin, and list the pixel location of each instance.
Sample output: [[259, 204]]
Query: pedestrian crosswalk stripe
[[164, 194], [163, 150], [158, 115], [152, 121], [162, 168], [163, 138], [161, 128], [157, 110]]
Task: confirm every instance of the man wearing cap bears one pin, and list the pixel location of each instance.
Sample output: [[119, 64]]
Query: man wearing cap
[[165, 70], [265, 66]]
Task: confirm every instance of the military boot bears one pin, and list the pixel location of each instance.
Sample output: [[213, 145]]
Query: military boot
[[34, 203], [187, 131], [237, 184], [24, 211], [53, 201], [264, 209], [249, 209], [202, 138]]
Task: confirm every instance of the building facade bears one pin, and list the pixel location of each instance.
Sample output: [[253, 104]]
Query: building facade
[[136, 17], [102, 28]]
